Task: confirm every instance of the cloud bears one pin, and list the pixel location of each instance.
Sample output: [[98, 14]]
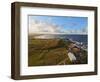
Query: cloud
[[36, 26], [41, 27], [74, 31]]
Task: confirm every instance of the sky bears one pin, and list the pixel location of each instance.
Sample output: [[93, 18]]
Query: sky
[[57, 24]]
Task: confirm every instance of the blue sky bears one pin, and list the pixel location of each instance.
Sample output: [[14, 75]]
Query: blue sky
[[66, 23]]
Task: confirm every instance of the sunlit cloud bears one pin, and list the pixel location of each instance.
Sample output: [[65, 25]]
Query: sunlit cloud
[[43, 27], [46, 27]]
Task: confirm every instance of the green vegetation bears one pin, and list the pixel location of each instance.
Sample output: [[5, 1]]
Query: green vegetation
[[42, 52]]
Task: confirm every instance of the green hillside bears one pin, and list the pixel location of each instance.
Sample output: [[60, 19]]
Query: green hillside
[[42, 52]]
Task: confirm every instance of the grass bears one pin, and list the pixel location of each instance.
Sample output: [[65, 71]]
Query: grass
[[43, 52]]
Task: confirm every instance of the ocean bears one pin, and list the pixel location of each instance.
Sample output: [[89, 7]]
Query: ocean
[[74, 37]]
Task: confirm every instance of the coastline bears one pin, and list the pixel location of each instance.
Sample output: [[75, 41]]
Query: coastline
[[52, 52]]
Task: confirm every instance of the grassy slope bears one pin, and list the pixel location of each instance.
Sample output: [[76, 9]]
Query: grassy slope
[[42, 52], [47, 52]]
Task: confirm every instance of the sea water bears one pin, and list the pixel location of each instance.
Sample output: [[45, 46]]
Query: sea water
[[74, 37]]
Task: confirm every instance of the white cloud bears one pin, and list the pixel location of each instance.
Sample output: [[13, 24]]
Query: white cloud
[[43, 27], [76, 31]]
